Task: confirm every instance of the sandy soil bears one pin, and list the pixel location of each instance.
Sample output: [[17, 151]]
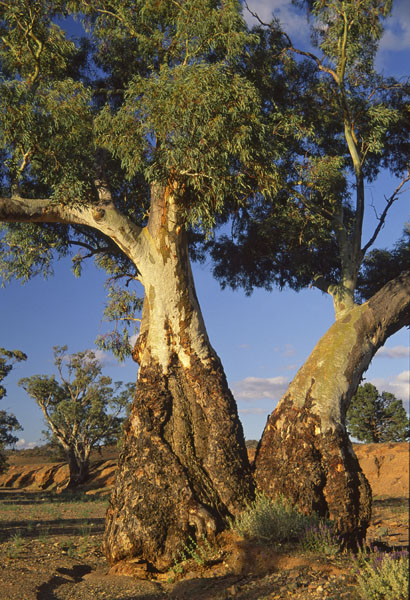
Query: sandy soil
[[50, 548]]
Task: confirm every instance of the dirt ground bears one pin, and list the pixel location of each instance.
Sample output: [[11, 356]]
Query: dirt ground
[[50, 550]]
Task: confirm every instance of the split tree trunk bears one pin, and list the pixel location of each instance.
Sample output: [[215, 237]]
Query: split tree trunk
[[184, 466], [305, 452]]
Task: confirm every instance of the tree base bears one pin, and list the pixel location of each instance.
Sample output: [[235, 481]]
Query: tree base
[[316, 470], [183, 469]]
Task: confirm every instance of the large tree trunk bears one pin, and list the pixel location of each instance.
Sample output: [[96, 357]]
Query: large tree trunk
[[305, 452], [184, 467]]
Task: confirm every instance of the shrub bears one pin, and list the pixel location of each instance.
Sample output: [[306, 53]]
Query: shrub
[[321, 538], [383, 576], [271, 521]]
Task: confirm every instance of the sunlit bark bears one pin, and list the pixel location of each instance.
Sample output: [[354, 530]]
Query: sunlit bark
[[183, 467], [305, 452]]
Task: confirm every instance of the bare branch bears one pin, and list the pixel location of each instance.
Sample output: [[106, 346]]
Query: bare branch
[[399, 190]]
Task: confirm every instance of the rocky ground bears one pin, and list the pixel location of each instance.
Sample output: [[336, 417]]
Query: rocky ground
[[50, 545]]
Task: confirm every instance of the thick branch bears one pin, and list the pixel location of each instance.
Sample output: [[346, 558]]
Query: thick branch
[[390, 308], [104, 218]]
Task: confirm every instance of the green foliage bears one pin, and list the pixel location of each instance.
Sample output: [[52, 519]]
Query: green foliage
[[373, 417], [84, 409], [45, 116], [383, 576], [168, 105], [321, 538], [7, 359], [338, 124], [28, 250], [271, 522], [8, 422], [380, 266], [201, 552], [122, 306], [360, 21]]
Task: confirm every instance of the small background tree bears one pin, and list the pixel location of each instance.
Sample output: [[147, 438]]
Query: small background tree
[[81, 412], [8, 422], [373, 417]]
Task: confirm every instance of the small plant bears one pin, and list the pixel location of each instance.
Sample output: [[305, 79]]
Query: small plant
[[16, 543], [17, 539], [11, 552], [70, 549], [383, 576], [200, 551], [272, 522], [30, 526], [321, 538]]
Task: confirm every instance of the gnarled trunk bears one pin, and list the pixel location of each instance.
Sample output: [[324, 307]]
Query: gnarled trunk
[[184, 467], [305, 452]]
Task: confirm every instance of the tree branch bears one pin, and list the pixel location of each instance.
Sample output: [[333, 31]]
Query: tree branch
[[104, 217], [383, 216], [390, 308]]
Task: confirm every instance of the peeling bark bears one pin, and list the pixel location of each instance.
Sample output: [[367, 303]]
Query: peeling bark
[[305, 452], [184, 466]]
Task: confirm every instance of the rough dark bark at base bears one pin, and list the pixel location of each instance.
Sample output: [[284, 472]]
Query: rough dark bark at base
[[79, 472], [183, 468], [316, 470]]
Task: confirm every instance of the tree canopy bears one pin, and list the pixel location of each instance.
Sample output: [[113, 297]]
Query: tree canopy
[[343, 124], [167, 106], [82, 410], [375, 417], [154, 96]]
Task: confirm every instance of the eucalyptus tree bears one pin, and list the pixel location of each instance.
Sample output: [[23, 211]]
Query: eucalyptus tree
[[82, 411], [8, 422], [115, 146], [342, 124]]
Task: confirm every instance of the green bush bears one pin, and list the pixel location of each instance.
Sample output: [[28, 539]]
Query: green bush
[[321, 538], [383, 576], [271, 521]]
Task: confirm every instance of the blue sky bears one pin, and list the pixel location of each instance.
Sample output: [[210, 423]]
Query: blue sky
[[262, 340]]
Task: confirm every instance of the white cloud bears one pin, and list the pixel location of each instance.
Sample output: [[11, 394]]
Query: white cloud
[[393, 352], [254, 411], [397, 28], [255, 388], [23, 445], [105, 358], [399, 385], [133, 339]]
